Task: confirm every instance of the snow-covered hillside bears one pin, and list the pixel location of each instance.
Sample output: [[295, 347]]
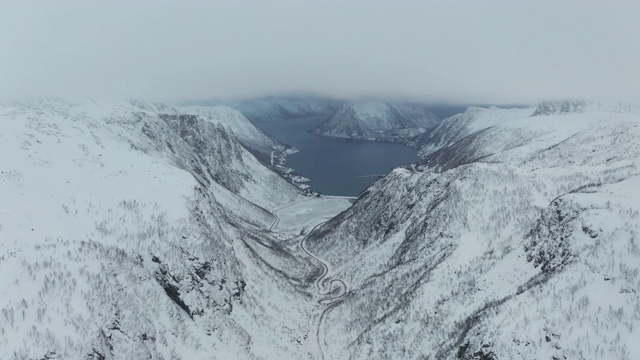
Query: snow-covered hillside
[[515, 238], [454, 129], [281, 108], [379, 121], [130, 231], [134, 230], [249, 135], [255, 140]]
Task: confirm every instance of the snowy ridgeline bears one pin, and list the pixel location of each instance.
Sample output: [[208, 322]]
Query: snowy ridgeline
[[383, 121], [515, 238], [280, 108], [260, 143], [373, 120], [135, 230]]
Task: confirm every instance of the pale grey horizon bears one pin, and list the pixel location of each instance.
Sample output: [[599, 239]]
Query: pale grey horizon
[[434, 51]]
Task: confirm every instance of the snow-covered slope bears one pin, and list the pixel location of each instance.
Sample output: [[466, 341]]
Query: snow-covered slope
[[132, 230], [458, 127], [255, 140], [130, 233], [265, 148], [244, 130], [282, 108], [379, 121], [516, 238]]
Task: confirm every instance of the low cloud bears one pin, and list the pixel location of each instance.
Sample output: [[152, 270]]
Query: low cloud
[[454, 51]]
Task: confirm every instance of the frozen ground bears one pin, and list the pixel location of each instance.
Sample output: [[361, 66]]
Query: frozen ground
[[306, 212]]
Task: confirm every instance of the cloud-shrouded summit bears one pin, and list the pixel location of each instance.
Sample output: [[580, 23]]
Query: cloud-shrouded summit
[[461, 51]]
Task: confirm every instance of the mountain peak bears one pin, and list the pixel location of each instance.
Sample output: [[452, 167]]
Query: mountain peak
[[383, 121]]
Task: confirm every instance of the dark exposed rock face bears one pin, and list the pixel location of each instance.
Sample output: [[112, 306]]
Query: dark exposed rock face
[[548, 245], [560, 107], [208, 160], [197, 291], [171, 288]]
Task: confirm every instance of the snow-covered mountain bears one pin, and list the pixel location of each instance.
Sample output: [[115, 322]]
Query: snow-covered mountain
[[254, 139], [515, 238], [281, 108], [265, 148], [465, 126], [379, 121], [130, 233], [262, 145], [136, 230], [249, 135]]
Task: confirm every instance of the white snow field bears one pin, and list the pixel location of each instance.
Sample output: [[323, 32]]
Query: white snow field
[[133, 230], [305, 213]]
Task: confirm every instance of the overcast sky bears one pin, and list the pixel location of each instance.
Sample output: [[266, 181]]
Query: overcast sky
[[505, 51]]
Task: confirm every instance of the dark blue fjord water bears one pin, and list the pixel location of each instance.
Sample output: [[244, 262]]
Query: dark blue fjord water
[[333, 164]]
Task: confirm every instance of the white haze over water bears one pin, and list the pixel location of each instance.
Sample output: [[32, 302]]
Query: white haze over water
[[453, 51]]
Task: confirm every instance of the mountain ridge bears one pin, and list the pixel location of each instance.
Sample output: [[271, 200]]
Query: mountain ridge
[[128, 233], [502, 219], [382, 121], [141, 230]]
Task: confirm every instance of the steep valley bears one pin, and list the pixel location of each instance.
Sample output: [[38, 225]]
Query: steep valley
[[132, 230]]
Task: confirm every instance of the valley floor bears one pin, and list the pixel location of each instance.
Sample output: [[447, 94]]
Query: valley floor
[[129, 232], [134, 231], [301, 215], [292, 222]]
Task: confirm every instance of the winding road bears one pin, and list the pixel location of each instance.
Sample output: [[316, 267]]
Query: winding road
[[276, 220], [323, 287], [323, 290]]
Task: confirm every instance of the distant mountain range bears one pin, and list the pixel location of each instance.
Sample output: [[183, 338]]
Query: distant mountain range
[[392, 121], [382, 121], [365, 120], [278, 108]]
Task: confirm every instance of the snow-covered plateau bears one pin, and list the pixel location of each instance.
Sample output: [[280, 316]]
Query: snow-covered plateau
[[134, 230]]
